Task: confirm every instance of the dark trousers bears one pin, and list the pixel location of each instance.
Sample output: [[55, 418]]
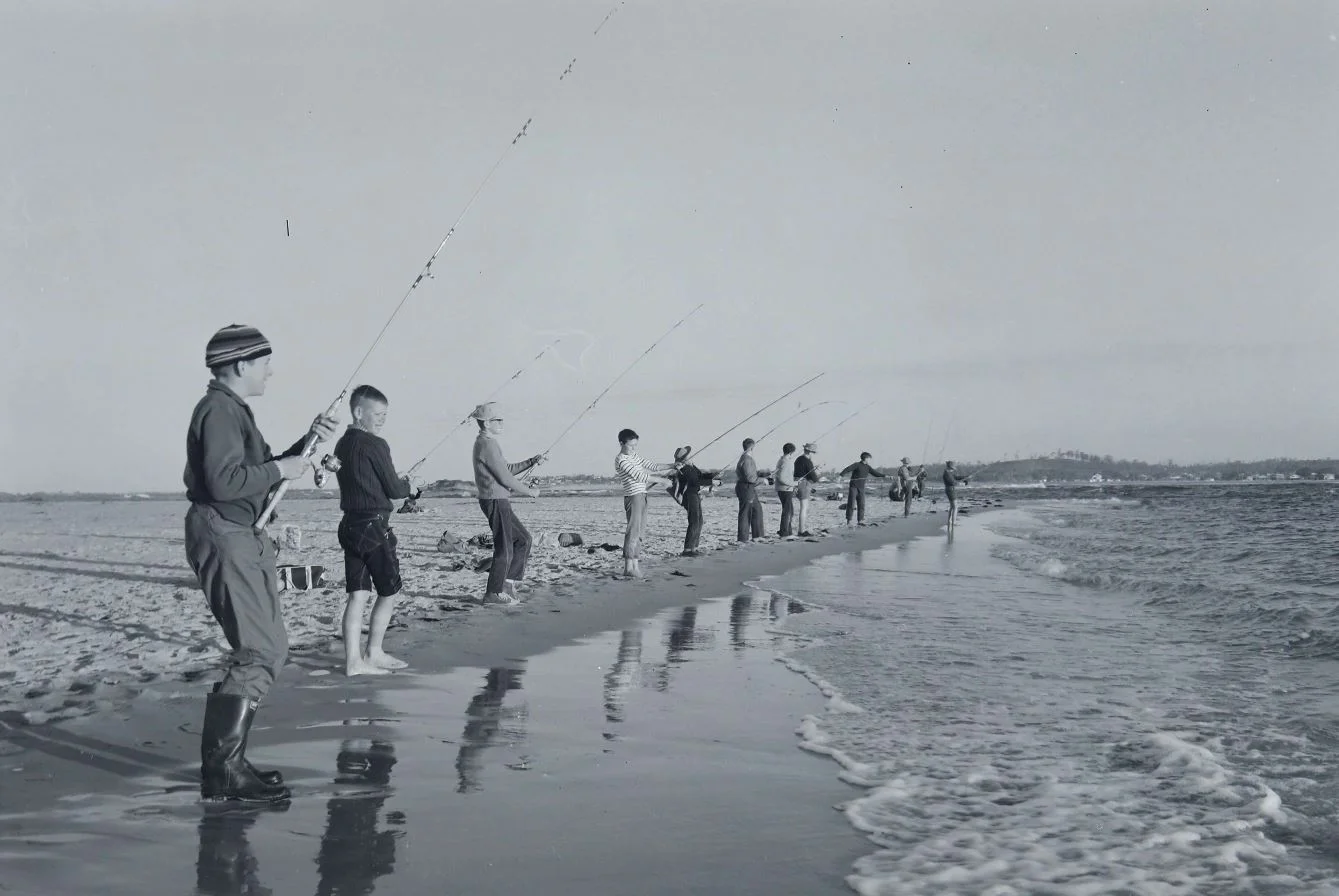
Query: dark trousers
[[511, 543], [692, 502], [855, 501], [235, 567], [787, 512], [750, 514]]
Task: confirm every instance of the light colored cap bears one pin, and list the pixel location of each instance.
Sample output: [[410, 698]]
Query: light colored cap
[[810, 446], [485, 411], [681, 453]]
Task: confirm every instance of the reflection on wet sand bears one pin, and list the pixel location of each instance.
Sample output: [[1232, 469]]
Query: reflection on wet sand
[[483, 726], [353, 852], [226, 866], [740, 610], [618, 680]]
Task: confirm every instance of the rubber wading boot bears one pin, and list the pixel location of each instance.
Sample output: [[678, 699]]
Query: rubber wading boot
[[274, 778], [224, 773]]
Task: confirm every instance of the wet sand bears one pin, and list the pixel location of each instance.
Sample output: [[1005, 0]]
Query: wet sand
[[615, 737]]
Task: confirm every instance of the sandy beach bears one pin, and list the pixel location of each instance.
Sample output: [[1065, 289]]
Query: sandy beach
[[607, 693], [99, 605]]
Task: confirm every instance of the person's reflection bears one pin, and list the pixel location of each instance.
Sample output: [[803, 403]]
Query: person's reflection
[[226, 866], [484, 721], [353, 852], [678, 639], [779, 606], [618, 680], [740, 610]]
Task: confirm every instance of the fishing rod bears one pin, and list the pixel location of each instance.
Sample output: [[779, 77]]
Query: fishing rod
[[751, 416], [804, 410], [842, 423], [590, 406], [309, 445], [466, 418]]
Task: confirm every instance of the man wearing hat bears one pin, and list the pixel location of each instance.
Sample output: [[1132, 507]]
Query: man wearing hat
[[496, 481], [906, 481], [805, 477], [687, 490], [230, 474]]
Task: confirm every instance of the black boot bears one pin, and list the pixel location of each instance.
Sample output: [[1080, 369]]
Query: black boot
[[274, 778], [224, 771]]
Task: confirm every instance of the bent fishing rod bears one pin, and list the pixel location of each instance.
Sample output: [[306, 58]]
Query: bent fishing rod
[[590, 406], [466, 418], [309, 445], [759, 440], [750, 417]]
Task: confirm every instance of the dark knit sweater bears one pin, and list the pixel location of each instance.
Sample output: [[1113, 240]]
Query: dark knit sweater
[[227, 461], [367, 479]]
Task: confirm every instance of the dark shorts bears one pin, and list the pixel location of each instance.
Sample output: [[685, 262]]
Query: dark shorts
[[370, 562]]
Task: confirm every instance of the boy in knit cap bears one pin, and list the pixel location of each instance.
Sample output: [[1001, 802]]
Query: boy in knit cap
[[634, 475], [496, 481], [230, 474], [368, 488]]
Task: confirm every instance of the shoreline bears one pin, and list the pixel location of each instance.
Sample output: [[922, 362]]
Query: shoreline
[[107, 772], [548, 618]]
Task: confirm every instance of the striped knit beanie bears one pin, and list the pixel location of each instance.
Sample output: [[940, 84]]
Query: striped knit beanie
[[235, 342]]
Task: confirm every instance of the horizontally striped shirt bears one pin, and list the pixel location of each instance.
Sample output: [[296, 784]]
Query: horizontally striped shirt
[[634, 474]]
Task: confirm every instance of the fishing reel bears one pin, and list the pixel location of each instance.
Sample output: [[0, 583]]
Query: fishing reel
[[329, 464]]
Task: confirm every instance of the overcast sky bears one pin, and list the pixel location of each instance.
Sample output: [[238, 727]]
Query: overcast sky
[[1020, 226]]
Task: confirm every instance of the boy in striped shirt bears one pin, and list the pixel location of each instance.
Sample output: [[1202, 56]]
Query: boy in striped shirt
[[634, 475]]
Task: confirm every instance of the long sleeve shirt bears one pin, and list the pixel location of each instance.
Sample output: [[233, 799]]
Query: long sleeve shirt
[[689, 480], [634, 474], [804, 469], [785, 473], [228, 465], [368, 482], [493, 476], [951, 480], [860, 471], [904, 474]]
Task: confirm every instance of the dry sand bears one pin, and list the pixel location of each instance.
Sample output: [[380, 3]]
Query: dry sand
[[97, 604]]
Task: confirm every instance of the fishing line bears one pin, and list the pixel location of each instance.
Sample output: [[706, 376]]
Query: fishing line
[[309, 446]]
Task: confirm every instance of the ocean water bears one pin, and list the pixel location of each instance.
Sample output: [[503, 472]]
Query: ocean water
[[1128, 691]]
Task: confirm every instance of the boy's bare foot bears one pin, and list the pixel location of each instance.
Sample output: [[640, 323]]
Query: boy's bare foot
[[363, 667], [384, 660]]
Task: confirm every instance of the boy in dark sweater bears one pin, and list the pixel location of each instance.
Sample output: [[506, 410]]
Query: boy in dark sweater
[[686, 488], [368, 488]]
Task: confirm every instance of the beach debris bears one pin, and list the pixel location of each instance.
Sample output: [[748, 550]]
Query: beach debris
[[604, 547], [482, 540], [569, 540], [451, 543], [292, 537], [678, 573], [300, 578], [483, 564]]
